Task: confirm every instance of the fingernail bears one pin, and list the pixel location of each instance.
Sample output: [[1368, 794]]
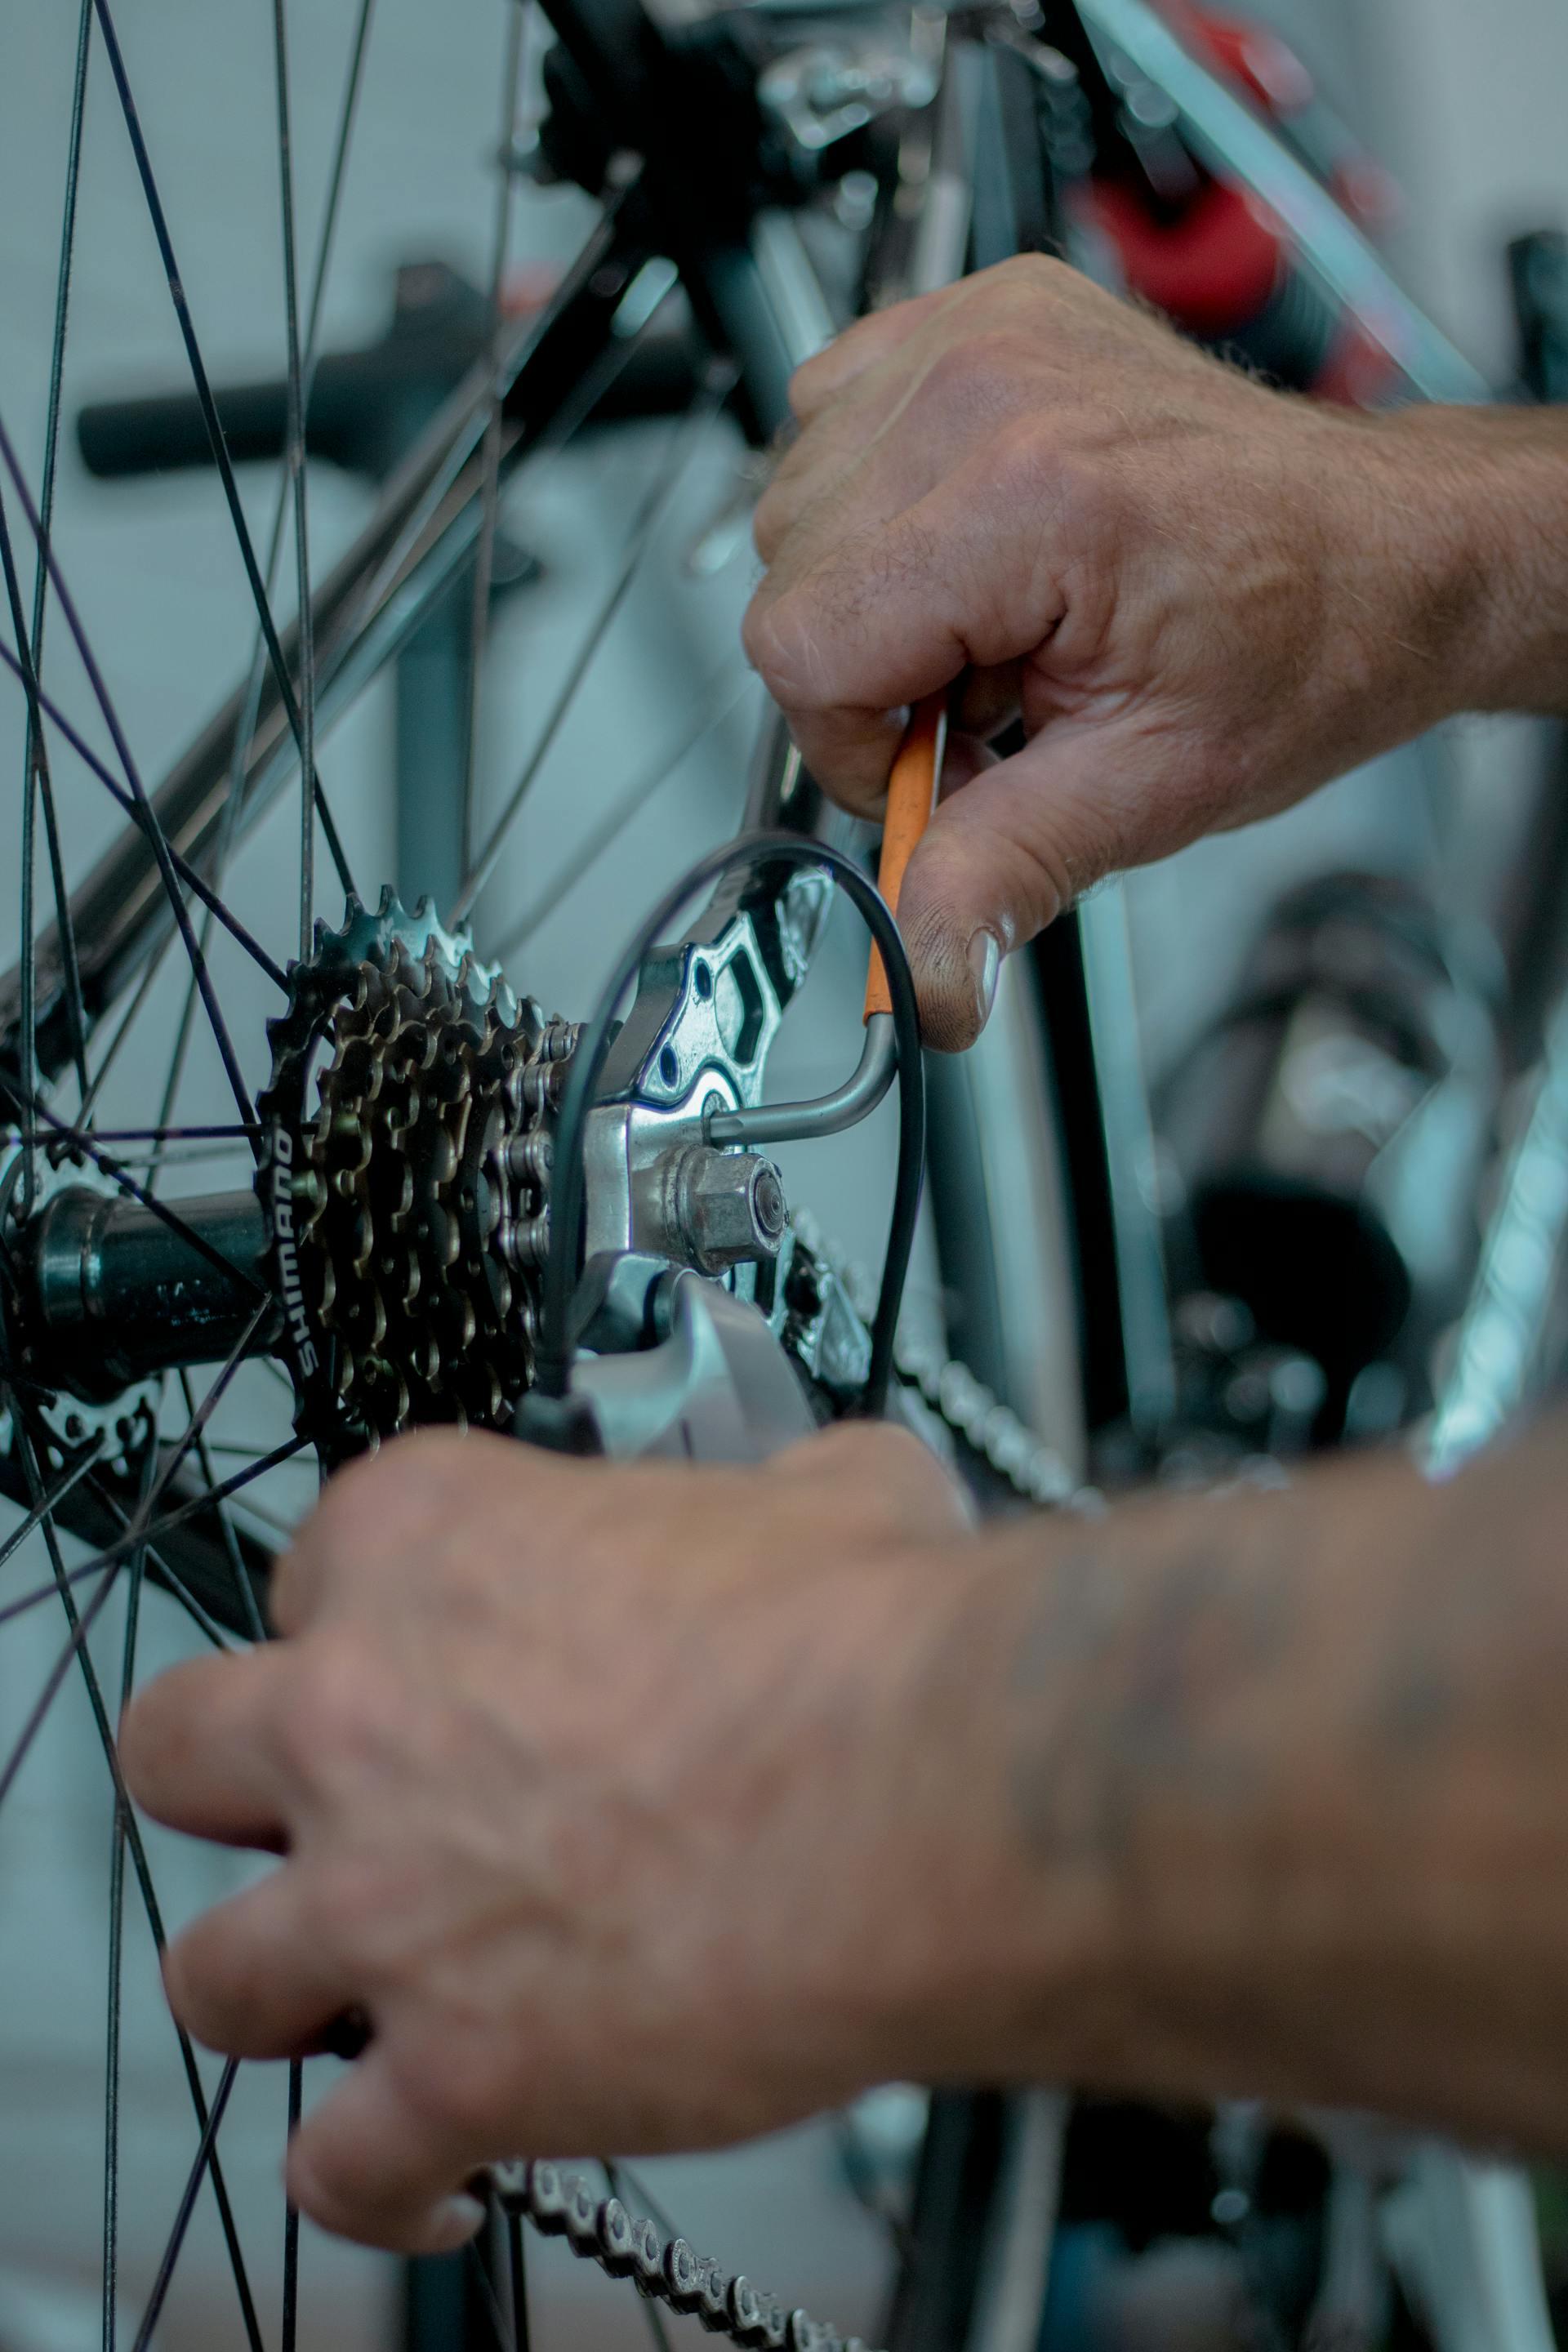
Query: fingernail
[[985, 965]]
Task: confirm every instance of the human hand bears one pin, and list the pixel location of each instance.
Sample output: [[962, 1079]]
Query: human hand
[[1202, 597], [630, 1805]]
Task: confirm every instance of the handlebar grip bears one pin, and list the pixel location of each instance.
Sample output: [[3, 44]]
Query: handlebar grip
[[159, 432], [912, 790]]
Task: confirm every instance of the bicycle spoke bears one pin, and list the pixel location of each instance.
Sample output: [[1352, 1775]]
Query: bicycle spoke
[[116, 1938], [107, 1165], [493, 2312], [153, 1534], [614, 2176], [618, 2172], [244, 732], [610, 825], [214, 429], [149, 1905], [291, 2218], [175, 1134], [28, 1005], [353, 85], [147, 821], [251, 708], [519, 17], [179, 1155], [656, 2326], [111, 1052], [47, 1501], [186, 2206], [81, 1626], [179, 1591], [35, 755], [294, 469], [150, 824], [76, 1010], [667, 480], [445, 487], [517, 2267], [192, 1435], [242, 1584], [36, 770], [272, 1520], [235, 1447]]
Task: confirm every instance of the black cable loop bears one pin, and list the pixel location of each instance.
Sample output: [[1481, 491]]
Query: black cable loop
[[566, 1208]]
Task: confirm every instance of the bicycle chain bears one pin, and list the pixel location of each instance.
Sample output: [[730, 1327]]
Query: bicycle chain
[[966, 1408], [561, 2204]]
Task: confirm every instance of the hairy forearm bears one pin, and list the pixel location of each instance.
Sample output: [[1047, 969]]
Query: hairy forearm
[[1289, 1777], [1486, 563]]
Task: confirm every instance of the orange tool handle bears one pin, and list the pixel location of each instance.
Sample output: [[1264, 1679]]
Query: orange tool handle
[[911, 796]]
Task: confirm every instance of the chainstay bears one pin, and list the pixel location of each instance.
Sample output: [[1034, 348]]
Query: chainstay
[[603, 2229]]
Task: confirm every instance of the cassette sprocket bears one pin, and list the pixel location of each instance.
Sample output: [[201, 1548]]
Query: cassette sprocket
[[405, 1177]]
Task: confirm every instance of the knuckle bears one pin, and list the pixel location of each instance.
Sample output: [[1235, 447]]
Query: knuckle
[[338, 1715], [1089, 500], [1056, 506], [1033, 273], [811, 379], [769, 524], [773, 646], [959, 378], [980, 378], [757, 637], [777, 513], [1025, 465]]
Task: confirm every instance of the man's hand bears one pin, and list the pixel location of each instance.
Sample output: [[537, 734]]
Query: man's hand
[[629, 1805], [1202, 597], [645, 1808]]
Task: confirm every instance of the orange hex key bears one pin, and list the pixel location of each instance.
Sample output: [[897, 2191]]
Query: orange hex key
[[912, 790]]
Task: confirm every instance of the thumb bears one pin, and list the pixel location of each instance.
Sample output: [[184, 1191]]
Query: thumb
[[1003, 855]]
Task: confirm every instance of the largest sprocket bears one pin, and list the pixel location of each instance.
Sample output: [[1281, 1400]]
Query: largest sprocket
[[408, 1119]]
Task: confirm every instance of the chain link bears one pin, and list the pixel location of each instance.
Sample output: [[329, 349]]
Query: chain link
[[601, 2230], [966, 1408]]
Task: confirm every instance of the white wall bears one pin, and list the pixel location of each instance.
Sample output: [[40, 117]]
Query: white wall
[[1466, 101]]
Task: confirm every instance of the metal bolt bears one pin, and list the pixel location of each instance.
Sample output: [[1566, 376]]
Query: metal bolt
[[729, 1207]]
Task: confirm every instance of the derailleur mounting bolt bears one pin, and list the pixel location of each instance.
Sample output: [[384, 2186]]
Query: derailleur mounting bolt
[[729, 1207]]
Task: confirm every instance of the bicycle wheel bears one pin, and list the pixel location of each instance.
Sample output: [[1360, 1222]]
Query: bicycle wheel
[[177, 1035]]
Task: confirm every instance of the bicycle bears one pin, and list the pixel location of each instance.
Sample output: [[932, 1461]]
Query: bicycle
[[463, 1209]]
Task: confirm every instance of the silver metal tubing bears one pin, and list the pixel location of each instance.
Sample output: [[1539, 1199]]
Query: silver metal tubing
[[829, 1114], [1242, 147]]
